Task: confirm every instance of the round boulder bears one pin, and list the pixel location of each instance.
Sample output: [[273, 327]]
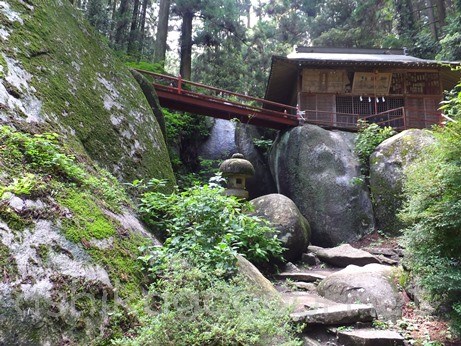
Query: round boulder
[[371, 284], [387, 166], [284, 215], [319, 171]]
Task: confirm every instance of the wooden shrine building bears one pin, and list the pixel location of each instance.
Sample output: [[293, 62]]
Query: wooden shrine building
[[336, 87]]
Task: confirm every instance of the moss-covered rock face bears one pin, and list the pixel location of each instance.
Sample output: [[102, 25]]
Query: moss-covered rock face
[[387, 165], [57, 74], [69, 247]]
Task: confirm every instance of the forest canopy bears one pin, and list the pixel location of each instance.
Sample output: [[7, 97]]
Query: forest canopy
[[229, 43]]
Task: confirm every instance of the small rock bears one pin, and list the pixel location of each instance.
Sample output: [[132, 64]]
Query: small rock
[[17, 204], [385, 260], [337, 314], [290, 267], [344, 255], [302, 276], [370, 337], [310, 259], [307, 286]]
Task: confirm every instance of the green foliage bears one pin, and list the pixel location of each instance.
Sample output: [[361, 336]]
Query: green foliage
[[263, 144], [433, 189], [191, 307], [451, 43], [378, 324], [146, 66], [39, 157], [201, 175], [184, 134], [208, 228], [369, 137]]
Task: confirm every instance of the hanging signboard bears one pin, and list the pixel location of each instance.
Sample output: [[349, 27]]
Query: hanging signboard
[[324, 81], [370, 83]]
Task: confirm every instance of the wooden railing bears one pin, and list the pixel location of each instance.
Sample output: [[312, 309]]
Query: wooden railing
[[395, 118]]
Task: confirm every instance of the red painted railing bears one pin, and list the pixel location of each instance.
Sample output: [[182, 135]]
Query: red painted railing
[[201, 91]]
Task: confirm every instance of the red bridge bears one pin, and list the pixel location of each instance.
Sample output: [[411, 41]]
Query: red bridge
[[182, 95]]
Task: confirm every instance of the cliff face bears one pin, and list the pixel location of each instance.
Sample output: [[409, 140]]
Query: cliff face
[[58, 75], [71, 115]]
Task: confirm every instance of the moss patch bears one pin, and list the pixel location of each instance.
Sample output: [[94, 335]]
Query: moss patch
[[87, 220], [7, 263], [83, 87]]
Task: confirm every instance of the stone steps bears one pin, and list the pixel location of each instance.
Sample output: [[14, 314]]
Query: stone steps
[[327, 322]]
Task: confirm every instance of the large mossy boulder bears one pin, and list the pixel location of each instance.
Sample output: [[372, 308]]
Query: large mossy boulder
[[284, 216], [387, 166], [69, 239], [319, 171], [262, 182], [57, 74]]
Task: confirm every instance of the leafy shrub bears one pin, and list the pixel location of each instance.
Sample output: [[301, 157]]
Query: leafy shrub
[[433, 189], [191, 307], [208, 228], [369, 137]]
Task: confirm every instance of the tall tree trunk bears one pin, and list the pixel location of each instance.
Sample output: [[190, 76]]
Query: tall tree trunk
[[142, 28], [162, 32], [113, 20], [432, 19], [133, 37], [122, 23], [441, 12], [186, 45], [406, 21], [248, 14]]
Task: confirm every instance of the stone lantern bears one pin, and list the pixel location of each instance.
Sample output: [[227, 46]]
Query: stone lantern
[[236, 170]]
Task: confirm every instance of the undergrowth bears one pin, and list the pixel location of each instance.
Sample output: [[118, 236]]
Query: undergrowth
[[190, 306], [368, 138], [433, 189], [208, 228], [197, 296]]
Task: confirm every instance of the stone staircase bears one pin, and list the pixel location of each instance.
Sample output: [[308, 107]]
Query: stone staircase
[[340, 321]]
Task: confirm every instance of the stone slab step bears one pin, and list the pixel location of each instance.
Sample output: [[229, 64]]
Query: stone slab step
[[370, 337], [338, 314], [302, 301], [343, 255], [310, 276]]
